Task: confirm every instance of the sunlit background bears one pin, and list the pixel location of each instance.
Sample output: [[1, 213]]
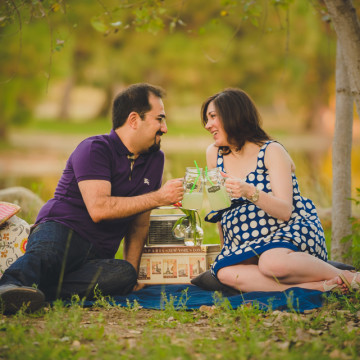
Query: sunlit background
[[59, 74]]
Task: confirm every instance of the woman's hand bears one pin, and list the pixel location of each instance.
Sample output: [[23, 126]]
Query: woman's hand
[[237, 187]]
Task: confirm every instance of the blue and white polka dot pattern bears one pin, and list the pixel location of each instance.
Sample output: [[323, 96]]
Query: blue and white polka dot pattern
[[249, 231]]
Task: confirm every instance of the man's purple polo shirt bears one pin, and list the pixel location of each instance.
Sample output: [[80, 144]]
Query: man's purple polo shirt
[[102, 157]]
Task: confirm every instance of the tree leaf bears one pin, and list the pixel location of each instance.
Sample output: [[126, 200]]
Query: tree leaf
[[55, 7], [99, 25]]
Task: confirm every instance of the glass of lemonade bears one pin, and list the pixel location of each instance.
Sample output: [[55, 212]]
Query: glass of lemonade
[[194, 188], [218, 197]]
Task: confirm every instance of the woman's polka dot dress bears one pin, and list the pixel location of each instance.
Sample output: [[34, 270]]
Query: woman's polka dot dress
[[249, 231]]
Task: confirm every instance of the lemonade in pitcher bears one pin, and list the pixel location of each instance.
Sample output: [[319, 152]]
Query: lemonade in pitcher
[[216, 191], [194, 189]]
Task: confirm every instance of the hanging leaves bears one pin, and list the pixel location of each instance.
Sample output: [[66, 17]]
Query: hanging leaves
[[55, 7], [99, 25], [59, 45]]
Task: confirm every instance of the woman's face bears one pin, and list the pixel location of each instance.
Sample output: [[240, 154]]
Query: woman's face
[[215, 127]]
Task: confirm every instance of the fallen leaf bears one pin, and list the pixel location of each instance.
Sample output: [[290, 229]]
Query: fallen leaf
[[309, 311], [301, 335], [337, 354], [315, 332], [265, 344], [76, 344], [351, 326], [209, 310], [283, 345], [131, 343]]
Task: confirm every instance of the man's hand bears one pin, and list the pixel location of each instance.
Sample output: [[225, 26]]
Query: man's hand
[[171, 192], [102, 206]]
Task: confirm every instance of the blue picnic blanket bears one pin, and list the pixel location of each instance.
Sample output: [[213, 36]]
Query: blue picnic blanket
[[188, 297]]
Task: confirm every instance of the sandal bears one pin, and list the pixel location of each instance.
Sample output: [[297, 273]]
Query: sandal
[[354, 285], [329, 287]]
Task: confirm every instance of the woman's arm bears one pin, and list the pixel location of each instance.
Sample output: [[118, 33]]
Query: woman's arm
[[211, 156], [279, 203]]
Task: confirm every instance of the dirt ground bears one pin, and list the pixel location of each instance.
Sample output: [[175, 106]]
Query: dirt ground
[[129, 325]]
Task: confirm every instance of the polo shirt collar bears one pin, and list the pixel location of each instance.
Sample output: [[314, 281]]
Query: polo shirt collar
[[119, 146]]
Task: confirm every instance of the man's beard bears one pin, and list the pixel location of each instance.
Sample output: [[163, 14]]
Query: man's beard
[[155, 146]]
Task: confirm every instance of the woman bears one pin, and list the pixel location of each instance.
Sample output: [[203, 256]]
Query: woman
[[272, 237]]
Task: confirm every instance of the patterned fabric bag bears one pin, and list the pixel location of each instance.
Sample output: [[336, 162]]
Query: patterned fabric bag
[[14, 234], [7, 210]]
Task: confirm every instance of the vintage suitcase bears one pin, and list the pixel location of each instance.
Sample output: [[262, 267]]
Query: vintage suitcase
[[160, 231], [175, 264]]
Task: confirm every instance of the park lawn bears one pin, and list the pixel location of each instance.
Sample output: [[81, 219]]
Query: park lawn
[[111, 332], [219, 332]]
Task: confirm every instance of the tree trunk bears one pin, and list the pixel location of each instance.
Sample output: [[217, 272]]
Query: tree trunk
[[341, 163], [106, 106], [3, 130], [346, 23], [65, 100]]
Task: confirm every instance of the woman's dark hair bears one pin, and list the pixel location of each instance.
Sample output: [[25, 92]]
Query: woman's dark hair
[[133, 98], [239, 116]]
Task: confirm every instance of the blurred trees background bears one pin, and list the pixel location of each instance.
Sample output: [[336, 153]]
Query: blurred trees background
[[280, 52]]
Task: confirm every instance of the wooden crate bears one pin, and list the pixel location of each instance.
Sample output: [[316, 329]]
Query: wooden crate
[[165, 264]]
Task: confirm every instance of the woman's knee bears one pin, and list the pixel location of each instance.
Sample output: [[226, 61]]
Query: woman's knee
[[226, 276], [271, 266]]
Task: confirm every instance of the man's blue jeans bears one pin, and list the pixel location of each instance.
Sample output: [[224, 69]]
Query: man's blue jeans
[[61, 263]]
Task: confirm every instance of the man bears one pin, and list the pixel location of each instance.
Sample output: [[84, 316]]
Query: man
[[107, 190]]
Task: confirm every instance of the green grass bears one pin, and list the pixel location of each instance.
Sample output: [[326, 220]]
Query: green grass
[[98, 126], [220, 332], [217, 332]]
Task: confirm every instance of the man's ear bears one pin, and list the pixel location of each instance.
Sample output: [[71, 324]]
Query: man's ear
[[133, 120]]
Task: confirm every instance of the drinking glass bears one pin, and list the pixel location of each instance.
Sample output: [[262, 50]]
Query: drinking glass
[[193, 188], [218, 197]]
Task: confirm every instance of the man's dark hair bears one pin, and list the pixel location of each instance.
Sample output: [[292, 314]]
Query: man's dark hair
[[239, 116], [133, 98]]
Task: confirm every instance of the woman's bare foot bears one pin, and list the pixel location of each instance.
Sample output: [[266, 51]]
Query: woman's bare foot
[[334, 284], [350, 279]]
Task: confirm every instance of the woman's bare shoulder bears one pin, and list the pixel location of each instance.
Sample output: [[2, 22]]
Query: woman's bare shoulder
[[276, 149], [212, 149], [211, 155], [275, 152]]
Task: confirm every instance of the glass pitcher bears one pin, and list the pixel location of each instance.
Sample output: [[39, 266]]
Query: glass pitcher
[[193, 188], [218, 197]]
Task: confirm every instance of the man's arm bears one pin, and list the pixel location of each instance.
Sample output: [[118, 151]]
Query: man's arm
[[102, 206], [135, 239]]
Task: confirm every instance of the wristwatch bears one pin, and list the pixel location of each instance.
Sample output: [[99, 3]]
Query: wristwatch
[[255, 196]]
